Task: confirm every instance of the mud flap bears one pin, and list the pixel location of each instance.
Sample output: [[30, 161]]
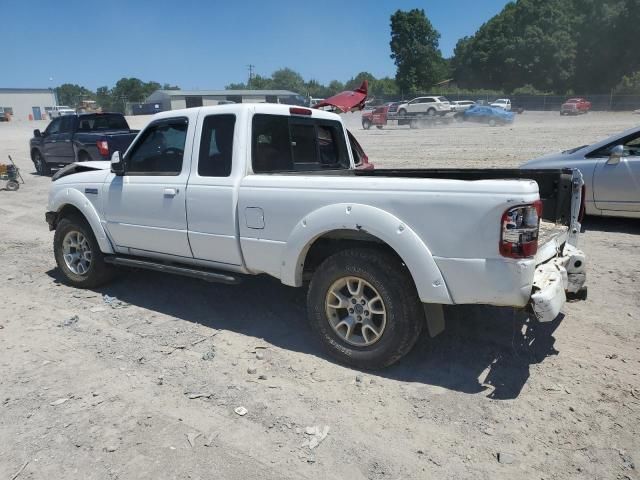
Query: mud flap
[[434, 313]]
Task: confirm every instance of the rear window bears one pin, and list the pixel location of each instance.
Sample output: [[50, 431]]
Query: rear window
[[287, 144], [102, 122]]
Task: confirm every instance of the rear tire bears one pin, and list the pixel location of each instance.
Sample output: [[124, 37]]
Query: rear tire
[[374, 320], [402, 112], [84, 157], [366, 124], [78, 254], [431, 112]]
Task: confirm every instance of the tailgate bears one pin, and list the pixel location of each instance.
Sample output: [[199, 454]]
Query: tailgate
[[120, 141]]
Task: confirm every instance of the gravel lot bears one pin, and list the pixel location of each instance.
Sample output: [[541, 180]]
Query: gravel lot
[[145, 385]]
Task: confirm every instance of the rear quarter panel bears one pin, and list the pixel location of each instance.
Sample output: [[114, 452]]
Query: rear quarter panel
[[453, 220]]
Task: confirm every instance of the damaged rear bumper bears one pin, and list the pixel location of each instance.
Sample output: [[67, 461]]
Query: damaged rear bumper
[[554, 279]]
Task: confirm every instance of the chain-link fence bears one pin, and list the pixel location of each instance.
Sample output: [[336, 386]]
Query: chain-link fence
[[600, 102]]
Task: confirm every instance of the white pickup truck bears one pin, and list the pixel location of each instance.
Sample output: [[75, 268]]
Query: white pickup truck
[[223, 192]]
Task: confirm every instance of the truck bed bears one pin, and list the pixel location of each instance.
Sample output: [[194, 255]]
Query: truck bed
[[555, 186]]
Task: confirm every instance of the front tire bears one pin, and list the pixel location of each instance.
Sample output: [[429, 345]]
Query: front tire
[[78, 255], [366, 124], [42, 167], [364, 306]]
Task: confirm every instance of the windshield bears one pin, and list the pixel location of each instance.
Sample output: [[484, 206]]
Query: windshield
[[574, 150]]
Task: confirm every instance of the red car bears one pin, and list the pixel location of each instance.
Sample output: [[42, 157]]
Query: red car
[[575, 106]]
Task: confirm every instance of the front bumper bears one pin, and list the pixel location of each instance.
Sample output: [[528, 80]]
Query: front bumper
[[552, 280]]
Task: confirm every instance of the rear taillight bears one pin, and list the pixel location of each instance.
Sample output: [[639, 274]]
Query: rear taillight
[[103, 147], [299, 111], [519, 231]]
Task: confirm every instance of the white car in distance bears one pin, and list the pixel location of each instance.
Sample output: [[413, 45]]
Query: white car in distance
[[503, 103], [430, 106], [461, 105], [61, 111]]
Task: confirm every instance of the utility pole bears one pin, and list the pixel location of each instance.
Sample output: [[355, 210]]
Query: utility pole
[[124, 99], [251, 67]]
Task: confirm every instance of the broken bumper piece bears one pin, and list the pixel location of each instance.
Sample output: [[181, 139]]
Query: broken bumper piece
[[552, 280]]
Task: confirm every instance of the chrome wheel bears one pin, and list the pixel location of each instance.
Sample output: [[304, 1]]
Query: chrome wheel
[[76, 252], [356, 312]]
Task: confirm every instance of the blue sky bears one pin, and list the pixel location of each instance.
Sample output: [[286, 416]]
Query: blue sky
[[208, 44]]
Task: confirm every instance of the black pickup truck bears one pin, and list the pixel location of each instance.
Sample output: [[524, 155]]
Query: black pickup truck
[[79, 138]]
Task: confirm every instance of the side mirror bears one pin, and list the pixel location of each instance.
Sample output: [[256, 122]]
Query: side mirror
[[117, 164], [37, 133], [615, 155]]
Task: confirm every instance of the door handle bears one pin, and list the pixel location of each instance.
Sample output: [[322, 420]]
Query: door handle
[[170, 192]]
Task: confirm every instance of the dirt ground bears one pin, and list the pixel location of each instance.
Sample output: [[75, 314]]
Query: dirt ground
[[140, 379]]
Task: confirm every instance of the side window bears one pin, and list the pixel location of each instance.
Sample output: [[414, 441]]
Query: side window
[[271, 148], [429, 100], [216, 146], [282, 143], [66, 124], [632, 146], [53, 128], [160, 150]]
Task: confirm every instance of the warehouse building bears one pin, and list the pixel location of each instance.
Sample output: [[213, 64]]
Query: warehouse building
[[162, 100], [27, 103]]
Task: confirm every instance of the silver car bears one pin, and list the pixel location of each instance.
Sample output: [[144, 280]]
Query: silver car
[[611, 171]]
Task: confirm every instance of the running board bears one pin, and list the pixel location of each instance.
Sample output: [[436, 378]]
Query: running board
[[206, 275]]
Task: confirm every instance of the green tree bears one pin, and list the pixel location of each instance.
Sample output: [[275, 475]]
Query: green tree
[[168, 86], [356, 81], [104, 99], [629, 85], [334, 87], [287, 79], [414, 49], [584, 46], [72, 94]]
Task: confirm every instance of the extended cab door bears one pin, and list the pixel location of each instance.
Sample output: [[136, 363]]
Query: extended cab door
[[50, 140], [64, 146], [211, 191], [145, 208]]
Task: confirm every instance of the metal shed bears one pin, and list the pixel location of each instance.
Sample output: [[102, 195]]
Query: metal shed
[[20, 103], [177, 99]]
